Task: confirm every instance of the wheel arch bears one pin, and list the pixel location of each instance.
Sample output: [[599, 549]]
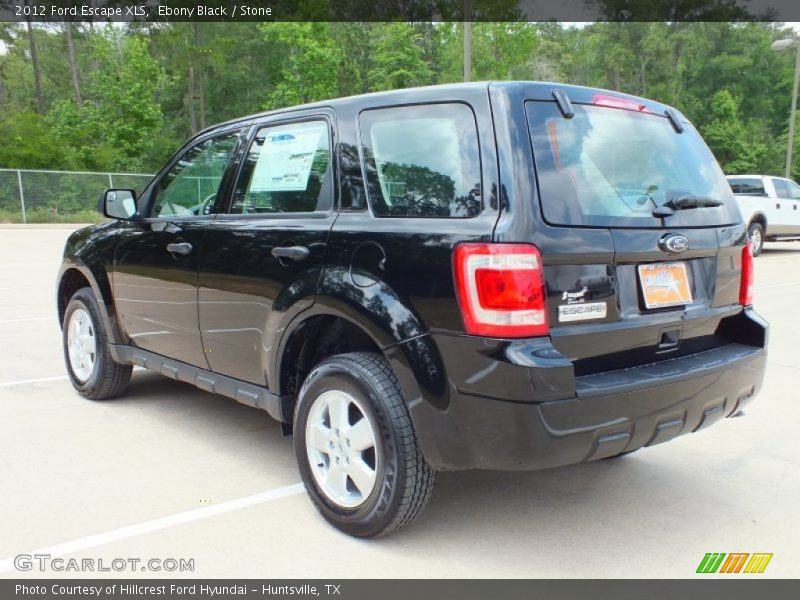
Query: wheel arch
[[760, 218], [76, 274], [332, 326], [71, 280]]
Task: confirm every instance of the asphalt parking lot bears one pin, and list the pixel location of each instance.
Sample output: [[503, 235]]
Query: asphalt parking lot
[[169, 471]]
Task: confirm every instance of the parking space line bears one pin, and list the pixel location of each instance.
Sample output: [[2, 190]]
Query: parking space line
[[115, 535], [54, 378], [27, 381], [4, 321], [776, 285]]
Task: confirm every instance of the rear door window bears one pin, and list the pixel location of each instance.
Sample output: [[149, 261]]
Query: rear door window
[[287, 170], [611, 167], [750, 186], [422, 161], [781, 189], [794, 190]]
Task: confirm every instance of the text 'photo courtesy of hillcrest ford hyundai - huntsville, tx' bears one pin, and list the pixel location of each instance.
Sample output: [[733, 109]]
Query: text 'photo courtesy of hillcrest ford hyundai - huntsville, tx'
[[510, 276]]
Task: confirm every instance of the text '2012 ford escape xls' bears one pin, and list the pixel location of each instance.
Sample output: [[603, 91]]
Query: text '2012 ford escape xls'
[[508, 275]]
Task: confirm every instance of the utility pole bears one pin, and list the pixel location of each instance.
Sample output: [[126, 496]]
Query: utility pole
[[467, 40], [793, 116], [778, 46]]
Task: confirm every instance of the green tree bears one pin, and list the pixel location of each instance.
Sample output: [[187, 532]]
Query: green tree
[[398, 58], [355, 51], [504, 51], [115, 129], [726, 136], [133, 80], [308, 68], [27, 141]]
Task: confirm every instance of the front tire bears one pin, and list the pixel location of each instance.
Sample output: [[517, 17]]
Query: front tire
[[755, 233], [356, 448], [90, 367]]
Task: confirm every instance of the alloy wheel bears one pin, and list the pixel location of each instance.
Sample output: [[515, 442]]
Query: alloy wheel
[[342, 448], [81, 344], [756, 240]]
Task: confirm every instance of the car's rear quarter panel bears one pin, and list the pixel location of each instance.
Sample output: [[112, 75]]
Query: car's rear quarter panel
[[409, 267]]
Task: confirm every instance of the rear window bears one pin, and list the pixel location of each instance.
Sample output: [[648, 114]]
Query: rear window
[[746, 185], [422, 161], [611, 167]]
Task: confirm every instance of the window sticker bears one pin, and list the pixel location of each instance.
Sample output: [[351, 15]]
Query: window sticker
[[287, 153]]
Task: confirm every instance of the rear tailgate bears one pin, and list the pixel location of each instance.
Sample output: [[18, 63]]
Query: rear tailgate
[[653, 288], [630, 333]]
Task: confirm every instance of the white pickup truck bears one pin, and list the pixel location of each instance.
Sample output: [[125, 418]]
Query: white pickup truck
[[769, 205]]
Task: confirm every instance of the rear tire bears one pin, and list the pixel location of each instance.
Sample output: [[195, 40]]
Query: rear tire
[[356, 448], [755, 233], [90, 367]]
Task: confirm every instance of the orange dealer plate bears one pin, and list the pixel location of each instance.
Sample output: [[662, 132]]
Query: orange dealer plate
[[664, 284]]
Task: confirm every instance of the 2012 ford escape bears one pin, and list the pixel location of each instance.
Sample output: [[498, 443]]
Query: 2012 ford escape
[[507, 275]]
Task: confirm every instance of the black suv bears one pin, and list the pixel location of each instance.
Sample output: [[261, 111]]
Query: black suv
[[508, 275]]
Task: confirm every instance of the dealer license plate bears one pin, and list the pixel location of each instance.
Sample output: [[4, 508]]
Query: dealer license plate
[[664, 284]]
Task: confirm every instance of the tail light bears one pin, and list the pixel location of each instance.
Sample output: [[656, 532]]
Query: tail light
[[500, 290], [746, 285]]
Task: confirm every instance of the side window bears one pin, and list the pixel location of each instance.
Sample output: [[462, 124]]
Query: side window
[[794, 190], [190, 187], [287, 170], [422, 161], [781, 188]]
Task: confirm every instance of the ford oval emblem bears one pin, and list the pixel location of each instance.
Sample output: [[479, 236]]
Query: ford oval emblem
[[673, 243]]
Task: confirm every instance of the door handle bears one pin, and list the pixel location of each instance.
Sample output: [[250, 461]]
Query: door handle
[[291, 252], [183, 248]]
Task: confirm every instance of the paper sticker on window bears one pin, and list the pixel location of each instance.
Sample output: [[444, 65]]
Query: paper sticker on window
[[287, 153]]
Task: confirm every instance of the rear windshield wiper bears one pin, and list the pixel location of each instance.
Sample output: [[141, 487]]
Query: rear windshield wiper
[[682, 203]]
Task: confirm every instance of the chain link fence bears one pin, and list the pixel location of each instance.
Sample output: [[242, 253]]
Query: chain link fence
[[31, 196]]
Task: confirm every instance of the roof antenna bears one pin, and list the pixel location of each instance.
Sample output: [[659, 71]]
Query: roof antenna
[[564, 105]]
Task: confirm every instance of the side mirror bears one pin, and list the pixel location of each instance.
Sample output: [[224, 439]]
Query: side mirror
[[118, 204]]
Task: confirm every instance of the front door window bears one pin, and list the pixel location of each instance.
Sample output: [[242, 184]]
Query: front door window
[[191, 185]]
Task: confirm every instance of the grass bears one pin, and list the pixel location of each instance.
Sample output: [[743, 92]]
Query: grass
[[44, 215]]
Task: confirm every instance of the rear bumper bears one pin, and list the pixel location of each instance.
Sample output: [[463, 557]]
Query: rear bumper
[[605, 413]]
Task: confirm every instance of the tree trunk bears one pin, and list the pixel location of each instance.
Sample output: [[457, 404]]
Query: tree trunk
[[3, 94], [467, 16], [676, 61], [192, 118], [643, 71], [201, 92], [37, 76], [201, 78], [73, 67]]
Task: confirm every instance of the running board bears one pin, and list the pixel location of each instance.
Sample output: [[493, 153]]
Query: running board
[[244, 393]]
